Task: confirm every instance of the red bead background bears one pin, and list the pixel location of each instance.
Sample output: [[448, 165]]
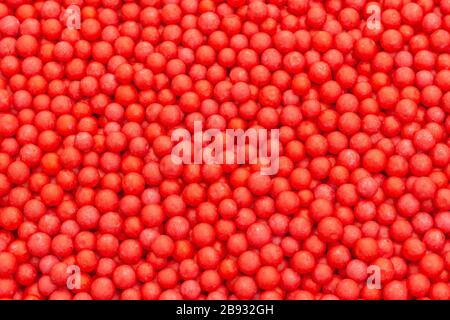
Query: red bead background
[[89, 193]]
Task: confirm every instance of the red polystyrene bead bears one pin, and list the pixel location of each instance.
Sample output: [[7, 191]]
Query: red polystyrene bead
[[354, 96]]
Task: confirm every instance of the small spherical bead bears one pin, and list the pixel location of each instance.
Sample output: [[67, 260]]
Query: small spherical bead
[[345, 101]]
